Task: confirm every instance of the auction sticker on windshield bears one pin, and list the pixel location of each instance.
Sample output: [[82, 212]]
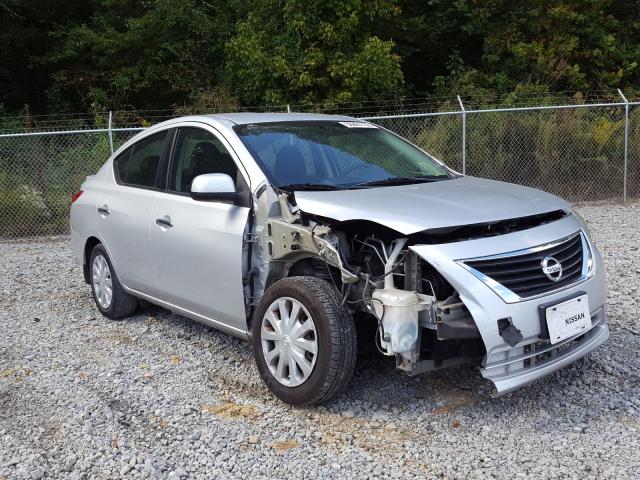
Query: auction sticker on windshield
[[568, 318], [357, 125]]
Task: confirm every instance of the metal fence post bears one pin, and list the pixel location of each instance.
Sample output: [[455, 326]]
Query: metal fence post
[[626, 144], [110, 130], [464, 136]]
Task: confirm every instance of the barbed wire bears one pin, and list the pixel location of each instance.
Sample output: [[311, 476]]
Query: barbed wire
[[123, 118]]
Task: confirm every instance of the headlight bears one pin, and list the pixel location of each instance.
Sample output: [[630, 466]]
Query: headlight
[[582, 222], [578, 216], [589, 245]]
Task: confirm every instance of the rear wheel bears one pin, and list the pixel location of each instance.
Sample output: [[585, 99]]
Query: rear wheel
[[110, 297], [304, 341]]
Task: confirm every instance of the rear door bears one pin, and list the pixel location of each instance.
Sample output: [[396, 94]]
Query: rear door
[[197, 246], [125, 206]]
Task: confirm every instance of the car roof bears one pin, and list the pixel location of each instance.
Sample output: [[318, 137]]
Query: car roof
[[244, 118]]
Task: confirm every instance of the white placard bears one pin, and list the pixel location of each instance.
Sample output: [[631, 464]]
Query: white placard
[[357, 124], [568, 318]]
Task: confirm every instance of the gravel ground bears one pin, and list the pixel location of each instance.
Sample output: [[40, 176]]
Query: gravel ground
[[159, 396]]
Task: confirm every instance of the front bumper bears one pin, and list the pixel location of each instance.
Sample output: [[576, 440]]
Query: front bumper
[[532, 358], [522, 365]]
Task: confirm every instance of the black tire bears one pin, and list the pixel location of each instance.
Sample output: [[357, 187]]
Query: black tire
[[122, 303], [145, 305], [336, 339]]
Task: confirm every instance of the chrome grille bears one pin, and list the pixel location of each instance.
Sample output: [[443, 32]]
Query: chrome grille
[[519, 275]]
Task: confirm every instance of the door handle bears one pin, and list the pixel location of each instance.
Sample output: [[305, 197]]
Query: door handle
[[104, 210], [164, 222]]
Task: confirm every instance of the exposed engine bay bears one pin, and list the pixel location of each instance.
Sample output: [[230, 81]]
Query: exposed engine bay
[[400, 303]]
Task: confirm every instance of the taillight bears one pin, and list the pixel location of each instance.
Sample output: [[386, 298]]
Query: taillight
[[76, 196]]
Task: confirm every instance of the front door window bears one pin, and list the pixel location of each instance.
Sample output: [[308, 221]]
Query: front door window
[[198, 152]]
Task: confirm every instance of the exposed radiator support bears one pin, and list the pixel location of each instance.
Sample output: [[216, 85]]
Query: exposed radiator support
[[391, 260]]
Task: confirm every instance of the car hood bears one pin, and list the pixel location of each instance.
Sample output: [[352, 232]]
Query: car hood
[[412, 208]]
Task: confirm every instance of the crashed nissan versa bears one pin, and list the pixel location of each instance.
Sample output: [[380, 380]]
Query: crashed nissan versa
[[318, 236]]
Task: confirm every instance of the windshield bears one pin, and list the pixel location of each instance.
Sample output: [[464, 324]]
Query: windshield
[[335, 155]]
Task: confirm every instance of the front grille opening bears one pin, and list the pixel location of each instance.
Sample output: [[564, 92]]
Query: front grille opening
[[540, 357], [545, 353], [523, 275], [526, 350]]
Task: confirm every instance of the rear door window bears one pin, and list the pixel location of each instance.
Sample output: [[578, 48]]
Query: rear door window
[[138, 165]]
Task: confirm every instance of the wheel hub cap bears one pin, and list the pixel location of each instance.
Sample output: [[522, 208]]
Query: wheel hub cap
[[102, 282], [289, 341]]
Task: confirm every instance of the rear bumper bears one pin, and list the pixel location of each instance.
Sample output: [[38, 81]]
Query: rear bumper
[[525, 364]]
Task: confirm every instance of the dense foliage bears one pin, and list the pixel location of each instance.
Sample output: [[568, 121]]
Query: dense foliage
[[80, 55], [185, 55]]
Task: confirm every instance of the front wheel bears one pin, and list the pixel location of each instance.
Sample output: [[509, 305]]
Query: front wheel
[[304, 341]]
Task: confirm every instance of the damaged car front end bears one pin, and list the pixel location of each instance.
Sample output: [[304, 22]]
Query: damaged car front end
[[443, 271]]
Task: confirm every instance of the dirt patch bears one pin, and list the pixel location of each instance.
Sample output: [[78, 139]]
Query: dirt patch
[[383, 439], [284, 445], [117, 337], [454, 399], [232, 410]]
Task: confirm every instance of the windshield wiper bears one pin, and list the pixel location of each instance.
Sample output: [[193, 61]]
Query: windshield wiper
[[399, 181], [308, 186]]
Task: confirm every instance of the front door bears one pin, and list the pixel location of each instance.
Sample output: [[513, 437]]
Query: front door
[[196, 246]]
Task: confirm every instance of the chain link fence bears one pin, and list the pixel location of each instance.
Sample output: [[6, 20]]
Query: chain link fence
[[580, 151]]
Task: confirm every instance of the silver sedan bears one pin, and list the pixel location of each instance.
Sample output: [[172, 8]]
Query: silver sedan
[[317, 237]]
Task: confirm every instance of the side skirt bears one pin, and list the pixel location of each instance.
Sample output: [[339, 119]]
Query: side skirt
[[192, 315]]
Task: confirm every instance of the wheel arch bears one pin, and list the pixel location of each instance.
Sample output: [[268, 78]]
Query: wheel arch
[[89, 245], [304, 265]]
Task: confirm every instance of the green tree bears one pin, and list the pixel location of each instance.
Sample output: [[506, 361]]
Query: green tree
[[24, 38], [504, 46], [76, 55], [148, 54], [572, 44], [436, 38], [312, 51]]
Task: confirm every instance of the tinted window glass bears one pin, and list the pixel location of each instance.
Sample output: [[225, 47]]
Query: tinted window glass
[[139, 165], [120, 164], [269, 155], [198, 152], [335, 154]]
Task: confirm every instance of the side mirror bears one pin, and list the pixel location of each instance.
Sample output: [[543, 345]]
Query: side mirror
[[214, 186]]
